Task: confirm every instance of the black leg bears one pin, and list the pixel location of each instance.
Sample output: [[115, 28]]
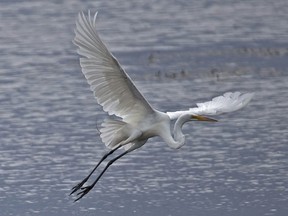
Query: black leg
[[79, 185], [86, 189]]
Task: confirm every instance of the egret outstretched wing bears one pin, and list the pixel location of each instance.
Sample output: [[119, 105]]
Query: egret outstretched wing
[[229, 102], [112, 87]]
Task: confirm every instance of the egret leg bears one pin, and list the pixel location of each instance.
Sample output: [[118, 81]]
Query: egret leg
[[79, 185], [86, 189]]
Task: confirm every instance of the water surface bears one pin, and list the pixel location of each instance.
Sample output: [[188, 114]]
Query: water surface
[[178, 53]]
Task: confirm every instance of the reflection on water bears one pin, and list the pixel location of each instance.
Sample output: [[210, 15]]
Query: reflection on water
[[178, 54]]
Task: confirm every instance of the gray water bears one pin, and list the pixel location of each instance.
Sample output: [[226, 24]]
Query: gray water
[[178, 53]]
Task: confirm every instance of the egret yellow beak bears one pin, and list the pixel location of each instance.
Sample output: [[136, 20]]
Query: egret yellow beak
[[202, 118]]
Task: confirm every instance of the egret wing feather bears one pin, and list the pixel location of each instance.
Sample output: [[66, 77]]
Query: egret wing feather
[[112, 87], [229, 102]]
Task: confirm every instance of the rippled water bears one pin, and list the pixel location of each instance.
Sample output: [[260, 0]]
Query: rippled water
[[178, 52]]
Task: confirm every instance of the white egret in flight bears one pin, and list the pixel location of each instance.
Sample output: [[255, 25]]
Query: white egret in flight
[[134, 119]]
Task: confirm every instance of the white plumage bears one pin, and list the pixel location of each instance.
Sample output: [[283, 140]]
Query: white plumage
[[112, 87], [229, 102], [136, 120]]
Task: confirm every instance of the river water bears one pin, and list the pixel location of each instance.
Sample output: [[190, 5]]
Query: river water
[[178, 53]]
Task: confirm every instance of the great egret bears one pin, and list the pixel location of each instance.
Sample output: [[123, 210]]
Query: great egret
[[137, 120]]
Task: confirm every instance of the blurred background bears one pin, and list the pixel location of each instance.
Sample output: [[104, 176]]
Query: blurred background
[[178, 53]]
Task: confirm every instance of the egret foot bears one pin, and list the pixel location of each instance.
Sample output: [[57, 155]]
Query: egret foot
[[84, 191], [78, 186]]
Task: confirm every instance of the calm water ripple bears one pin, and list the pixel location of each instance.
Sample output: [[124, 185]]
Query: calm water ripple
[[178, 53]]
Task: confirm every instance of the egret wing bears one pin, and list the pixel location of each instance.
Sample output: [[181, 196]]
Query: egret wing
[[229, 102], [112, 87]]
